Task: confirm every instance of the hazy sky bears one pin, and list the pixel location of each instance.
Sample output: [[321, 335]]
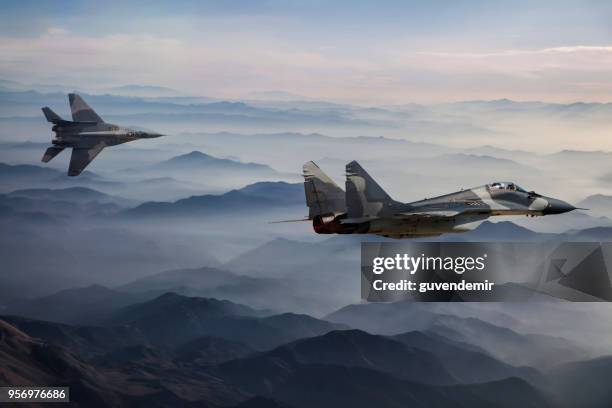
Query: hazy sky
[[354, 51]]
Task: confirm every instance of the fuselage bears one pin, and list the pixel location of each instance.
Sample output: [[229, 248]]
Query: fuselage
[[460, 211], [489, 200], [85, 134]]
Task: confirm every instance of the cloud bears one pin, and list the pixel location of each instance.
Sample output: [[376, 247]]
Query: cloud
[[234, 66]]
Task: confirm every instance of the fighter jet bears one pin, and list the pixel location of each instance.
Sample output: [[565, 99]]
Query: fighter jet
[[365, 208], [87, 134]]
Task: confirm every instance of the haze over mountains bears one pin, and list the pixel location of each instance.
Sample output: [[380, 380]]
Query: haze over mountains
[[156, 276], [426, 146], [160, 234], [168, 339]]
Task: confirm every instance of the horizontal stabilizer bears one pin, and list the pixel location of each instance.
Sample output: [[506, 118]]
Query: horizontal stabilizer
[[51, 153]]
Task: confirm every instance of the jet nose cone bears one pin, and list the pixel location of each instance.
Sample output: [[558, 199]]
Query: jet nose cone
[[151, 135], [557, 206]]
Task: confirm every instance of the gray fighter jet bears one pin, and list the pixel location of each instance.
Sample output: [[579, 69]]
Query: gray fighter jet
[[365, 208], [87, 134]]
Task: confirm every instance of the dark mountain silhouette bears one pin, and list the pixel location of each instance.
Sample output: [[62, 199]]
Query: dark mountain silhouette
[[172, 319], [467, 363], [21, 176], [584, 383], [350, 348], [260, 402], [197, 160], [26, 361], [169, 304], [293, 326], [498, 231], [141, 355], [198, 279], [261, 293], [288, 193], [145, 375], [597, 234], [80, 195], [252, 199], [597, 203], [464, 358], [78, 305], [211, 350], [266, 333], [117, 345], [502, 343], [26, 171], [333, 386], [386, 318], [21, 205], [139, 380], [86, 341], [287, 374]]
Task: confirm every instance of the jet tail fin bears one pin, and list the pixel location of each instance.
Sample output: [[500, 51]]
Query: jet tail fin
[[323, 196], [52, 116], [51, 153], [81, 111], [364, 197]]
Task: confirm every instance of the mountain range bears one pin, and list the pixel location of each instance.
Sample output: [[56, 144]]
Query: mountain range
[[134, 361], [150, 377], [252, 199], [213, 166]]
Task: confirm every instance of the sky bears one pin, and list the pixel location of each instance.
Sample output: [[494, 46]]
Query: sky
[[361, 52]]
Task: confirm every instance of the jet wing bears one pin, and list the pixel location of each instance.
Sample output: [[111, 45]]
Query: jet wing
[[81, 157]]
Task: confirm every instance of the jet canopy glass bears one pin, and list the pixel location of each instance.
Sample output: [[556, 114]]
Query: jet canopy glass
[[506, 185]]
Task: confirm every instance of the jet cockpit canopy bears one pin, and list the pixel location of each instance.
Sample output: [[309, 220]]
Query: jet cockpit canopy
[[506, 185]]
